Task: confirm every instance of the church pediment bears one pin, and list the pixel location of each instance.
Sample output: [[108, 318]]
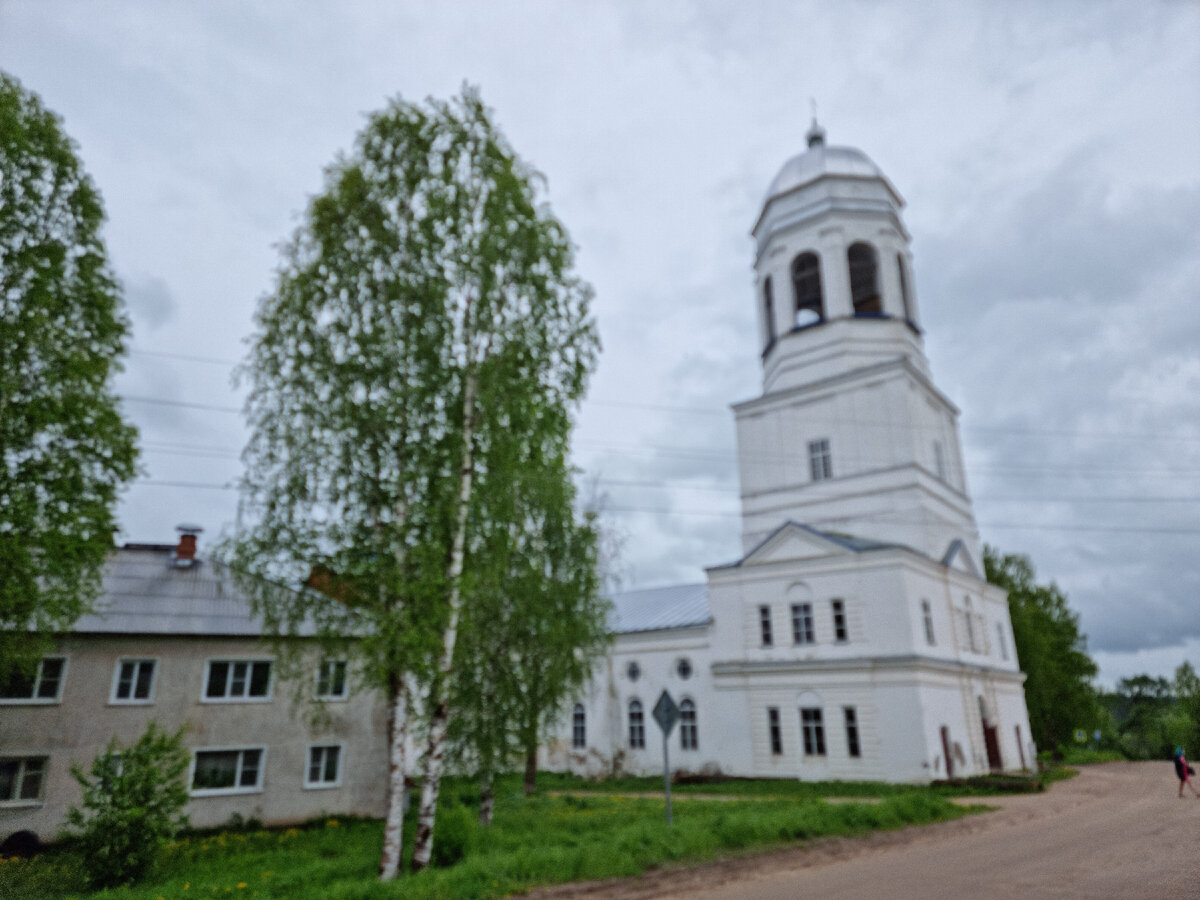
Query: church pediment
[[958, 557], [791, 542]]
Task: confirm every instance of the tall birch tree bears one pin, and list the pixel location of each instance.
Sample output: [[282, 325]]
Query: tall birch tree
[[65, 448], [425, 316]]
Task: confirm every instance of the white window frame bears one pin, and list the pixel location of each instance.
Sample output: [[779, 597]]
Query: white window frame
[[927, 618], [766, 627], [579, 727], [837, 610], [237, 788], [330, 696], [804, 628], [309, 784], [132, 700], [689, 728], [19, 781], [246, 697], [637, 727], [812, 730], [33, 699]]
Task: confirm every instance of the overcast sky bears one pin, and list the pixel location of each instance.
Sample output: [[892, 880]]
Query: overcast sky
[[1049, 153]]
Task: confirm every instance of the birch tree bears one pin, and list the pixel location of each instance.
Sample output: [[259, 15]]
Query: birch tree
[[65, 449], [425, 314]]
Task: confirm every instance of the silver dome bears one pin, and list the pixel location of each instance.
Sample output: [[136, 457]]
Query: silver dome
[[821, 160]]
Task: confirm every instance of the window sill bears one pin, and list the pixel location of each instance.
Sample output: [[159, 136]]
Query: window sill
[[30, 701], [342, 699], [323, 786], [224, 792], [130, 702], [22, 804], [236, 699]]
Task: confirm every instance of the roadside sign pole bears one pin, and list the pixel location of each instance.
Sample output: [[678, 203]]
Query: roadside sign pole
[[666, 714], [667, 777]]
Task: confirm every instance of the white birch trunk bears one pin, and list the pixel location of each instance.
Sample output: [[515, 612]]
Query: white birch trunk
[[393, 824], [439, 693]]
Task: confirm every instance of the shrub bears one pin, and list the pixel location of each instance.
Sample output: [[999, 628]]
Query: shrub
[[454, 835], [133, 800]]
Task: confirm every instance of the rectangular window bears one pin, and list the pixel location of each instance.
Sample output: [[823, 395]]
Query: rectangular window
[[43, 685], [1000, 640], [133, 681], [851, 718], [689, 734], [802, 624], [820, 460], [238, 679], [579, 727], [927, 614], [228, 771], [331, 680], [324, 767], [814, 731], [637, 725], [764, 626], [840, 634], [21, 779], [775, 731]]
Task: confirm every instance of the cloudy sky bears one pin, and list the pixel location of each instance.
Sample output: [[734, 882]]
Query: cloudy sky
[[1049, 153]]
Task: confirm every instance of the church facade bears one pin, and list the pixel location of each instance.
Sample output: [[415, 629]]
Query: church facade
[[855, 638]]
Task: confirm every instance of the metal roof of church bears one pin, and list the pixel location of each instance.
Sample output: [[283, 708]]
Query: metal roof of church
[[650, 609]]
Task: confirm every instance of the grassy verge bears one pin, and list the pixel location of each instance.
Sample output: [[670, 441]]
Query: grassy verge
[[536, 840]]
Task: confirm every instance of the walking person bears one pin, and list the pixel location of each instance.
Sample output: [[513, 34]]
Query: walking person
[[1184, 772]]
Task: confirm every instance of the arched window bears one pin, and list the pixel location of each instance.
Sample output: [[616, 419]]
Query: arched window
[[578, 727], [864, 280], [904, 293], [769, 311], [689, 737], [637, 725], [806, 282]]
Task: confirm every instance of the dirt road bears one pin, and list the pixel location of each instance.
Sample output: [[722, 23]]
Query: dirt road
[[1116, 831]]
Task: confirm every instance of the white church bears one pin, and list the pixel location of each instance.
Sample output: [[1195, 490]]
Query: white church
[[856, 638]]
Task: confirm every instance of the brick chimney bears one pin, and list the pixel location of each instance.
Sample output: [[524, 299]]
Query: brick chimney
[[185, 552]]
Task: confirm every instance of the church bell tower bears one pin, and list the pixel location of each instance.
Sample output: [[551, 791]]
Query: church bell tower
[[850, 435]]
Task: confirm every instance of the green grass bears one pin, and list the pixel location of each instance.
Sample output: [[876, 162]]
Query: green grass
[[542, 839]]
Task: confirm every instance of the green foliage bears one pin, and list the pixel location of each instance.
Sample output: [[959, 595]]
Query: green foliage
[[455, 837], [65, 450], [1051, 649], [133, 800], [536, 840], [1152, 716], [411, 382]]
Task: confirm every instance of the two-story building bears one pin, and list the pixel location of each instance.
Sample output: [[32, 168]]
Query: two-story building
[[173, 641]]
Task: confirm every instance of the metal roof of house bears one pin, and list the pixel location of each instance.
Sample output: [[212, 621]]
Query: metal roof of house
[[676, 606], [145, 593]]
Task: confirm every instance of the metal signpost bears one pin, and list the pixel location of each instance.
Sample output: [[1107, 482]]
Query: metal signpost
[[666, 714]]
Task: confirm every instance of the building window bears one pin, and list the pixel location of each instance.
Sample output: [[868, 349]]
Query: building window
[[764, 626], [840, 634], [969, 614], [864, 280], [683, 668], [927, 615], [851, 719], [228, 771], [769, 311], [802, 624], [637, 725], [21, 779], [1000, 640], [324, 767], [775, 731], [633, 671], [44, 685], [133, 681], [806, 282], [689, 736], [905, 295], [238, 679], [814, 731], [332, 683], [820, 460], [939, 460], [579, 727]]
